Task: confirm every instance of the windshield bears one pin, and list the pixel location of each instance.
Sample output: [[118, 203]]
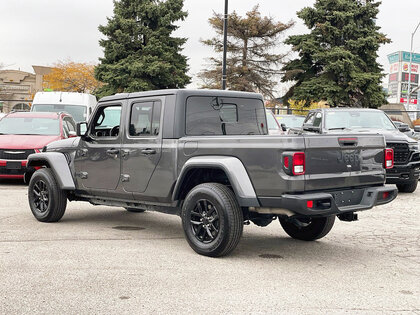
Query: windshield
[[77, 111], [29, 126], [291, 121], [358, 119], [271, 121]]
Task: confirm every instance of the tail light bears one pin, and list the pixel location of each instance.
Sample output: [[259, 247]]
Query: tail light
[[298, 163], [389, 158]]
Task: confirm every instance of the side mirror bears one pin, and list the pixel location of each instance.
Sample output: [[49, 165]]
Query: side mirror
[[283, 127], [311, 128], [72, 134], [81, 129], [404, 128], [417, 128]]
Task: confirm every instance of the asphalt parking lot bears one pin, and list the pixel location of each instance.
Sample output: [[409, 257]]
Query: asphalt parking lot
[[102, 260]]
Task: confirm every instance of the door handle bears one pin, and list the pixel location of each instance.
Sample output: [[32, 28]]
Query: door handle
[[148, 151], [113, 151]]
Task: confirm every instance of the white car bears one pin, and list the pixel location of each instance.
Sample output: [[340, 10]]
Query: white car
[[2, 115]]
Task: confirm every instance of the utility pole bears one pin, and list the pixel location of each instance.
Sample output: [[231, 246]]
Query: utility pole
[[409, 70], [225, 27]]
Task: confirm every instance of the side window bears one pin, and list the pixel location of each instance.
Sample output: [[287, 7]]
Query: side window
[[317, 120], [106, 122], [145, 119]]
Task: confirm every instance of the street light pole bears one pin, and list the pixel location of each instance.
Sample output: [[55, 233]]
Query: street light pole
[[409, 70], [225, 26]]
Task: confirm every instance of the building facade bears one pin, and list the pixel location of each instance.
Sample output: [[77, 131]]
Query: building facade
[[17, 88], [398, 80]]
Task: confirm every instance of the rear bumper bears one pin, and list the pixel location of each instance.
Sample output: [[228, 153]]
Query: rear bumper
[[331, 203], [400, 174]]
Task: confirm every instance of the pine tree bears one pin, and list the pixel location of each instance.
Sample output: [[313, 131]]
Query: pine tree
[[337, 59], [252, 63], [139, 52]]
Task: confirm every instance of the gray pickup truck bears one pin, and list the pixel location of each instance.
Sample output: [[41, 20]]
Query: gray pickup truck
[[207, 156]]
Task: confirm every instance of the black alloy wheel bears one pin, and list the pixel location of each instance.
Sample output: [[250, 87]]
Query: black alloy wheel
[[41, 196], [212, 219], [205, 221], [46, 199]]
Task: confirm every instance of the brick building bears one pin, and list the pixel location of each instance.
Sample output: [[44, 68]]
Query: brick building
[[17, 88]]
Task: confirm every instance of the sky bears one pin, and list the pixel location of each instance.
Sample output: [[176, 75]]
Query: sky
[[42, 32]]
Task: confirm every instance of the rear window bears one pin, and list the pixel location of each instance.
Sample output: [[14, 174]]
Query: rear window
[[224, 116]]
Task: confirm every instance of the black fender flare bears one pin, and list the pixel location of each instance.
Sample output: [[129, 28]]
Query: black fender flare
[[57, 162], [233, 168]]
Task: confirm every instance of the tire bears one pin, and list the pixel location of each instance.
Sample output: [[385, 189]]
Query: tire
[[53, 204], [135, 210], [315, 229], [408, 188], [212, 220]]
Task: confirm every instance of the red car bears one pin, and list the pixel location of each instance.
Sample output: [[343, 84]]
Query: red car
[[24, 133]]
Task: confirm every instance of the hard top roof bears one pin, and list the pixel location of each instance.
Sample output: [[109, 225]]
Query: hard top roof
[[184, 92]]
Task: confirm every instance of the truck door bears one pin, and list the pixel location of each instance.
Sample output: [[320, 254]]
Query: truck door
[[98, 164], [142, 145]]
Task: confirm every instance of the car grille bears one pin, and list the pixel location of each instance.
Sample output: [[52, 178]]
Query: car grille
[[401, 152], [6, 154]]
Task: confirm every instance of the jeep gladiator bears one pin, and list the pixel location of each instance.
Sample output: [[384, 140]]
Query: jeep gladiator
[[206, 156]]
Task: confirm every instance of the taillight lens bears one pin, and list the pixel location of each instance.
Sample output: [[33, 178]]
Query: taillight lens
[[298, 163], [389, 158]]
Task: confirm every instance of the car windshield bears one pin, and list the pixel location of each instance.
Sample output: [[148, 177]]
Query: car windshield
[[271, 121], [357, 119], [291, 121], [77, 111], [29, 126]]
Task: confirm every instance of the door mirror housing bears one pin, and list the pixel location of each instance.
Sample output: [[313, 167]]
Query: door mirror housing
[[404, 128], [311, 128], [283, 127], [81, 129], [72, 134]]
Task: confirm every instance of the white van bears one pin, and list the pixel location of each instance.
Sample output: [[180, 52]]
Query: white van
[[79, 105]]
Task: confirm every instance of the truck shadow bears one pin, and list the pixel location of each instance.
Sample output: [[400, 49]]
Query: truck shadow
[[255, 241]]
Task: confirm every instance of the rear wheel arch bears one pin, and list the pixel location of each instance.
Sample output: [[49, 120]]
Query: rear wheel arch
[[228, 171]]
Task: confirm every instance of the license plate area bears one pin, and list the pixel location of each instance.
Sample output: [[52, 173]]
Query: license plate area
[[348, 197], [14, 165]]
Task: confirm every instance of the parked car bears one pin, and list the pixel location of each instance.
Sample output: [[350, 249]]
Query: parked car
[[2, 115], [274, 127], [405, 129], [406, 171], [24, 133], [78, 105], [290, 121], [205, 155]]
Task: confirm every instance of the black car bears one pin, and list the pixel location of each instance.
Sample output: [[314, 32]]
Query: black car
[[406, 171]]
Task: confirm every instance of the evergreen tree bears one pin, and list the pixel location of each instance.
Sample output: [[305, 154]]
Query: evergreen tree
[[337, 59], [252, 63], [139, 52]]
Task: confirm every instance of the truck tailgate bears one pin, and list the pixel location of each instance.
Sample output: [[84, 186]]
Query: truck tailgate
[[335, 161]]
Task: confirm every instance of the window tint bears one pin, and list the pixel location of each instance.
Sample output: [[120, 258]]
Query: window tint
[[310, 119], [224, 116], [107, 121], [145, 119]]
